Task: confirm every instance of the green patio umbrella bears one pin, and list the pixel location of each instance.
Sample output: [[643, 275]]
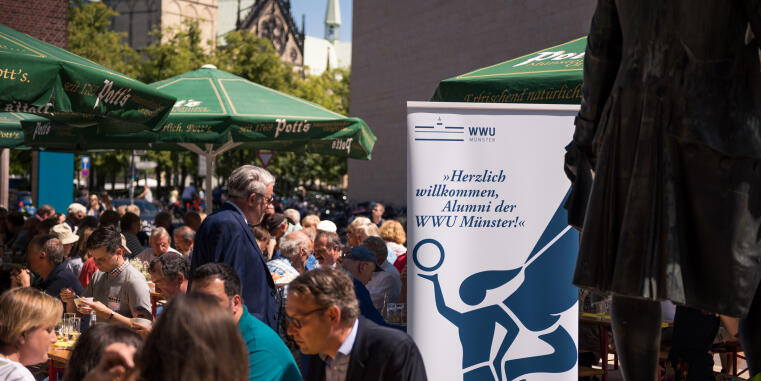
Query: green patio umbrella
[[217, 111], [11, 134], [39, 78], [553, 75]]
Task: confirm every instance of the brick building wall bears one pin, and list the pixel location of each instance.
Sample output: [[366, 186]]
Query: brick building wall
[[46, 20], [403, 48]]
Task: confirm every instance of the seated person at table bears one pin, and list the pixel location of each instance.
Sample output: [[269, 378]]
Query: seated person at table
[[324, 321], [131, 227], [90, 346], [360, 263], [119, 290], [183, 240], [160, 244], [45, 256], [268, 357], [27, 328], [386, 285], [170, 272]]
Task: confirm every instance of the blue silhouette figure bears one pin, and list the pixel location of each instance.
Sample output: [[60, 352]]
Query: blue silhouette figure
[[538, 303], [476, 327]]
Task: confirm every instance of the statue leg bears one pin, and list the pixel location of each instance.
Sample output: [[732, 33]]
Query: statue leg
[[750, 335], [637, 331]]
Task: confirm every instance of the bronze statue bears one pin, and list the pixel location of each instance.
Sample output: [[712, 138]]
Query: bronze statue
[[666, 166]]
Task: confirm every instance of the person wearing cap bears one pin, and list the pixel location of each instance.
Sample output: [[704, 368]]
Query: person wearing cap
[[360, 263], [119, 291], [68, 239], [327, 226], [45, 257], [385, 285]]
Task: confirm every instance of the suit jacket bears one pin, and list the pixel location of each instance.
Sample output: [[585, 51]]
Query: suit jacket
[[379, 354], [225, 237]]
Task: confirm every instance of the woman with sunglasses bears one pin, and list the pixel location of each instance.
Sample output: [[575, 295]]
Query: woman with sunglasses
[[27, 328]]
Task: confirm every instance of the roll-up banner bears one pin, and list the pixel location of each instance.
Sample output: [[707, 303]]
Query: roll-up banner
[[492, 256]]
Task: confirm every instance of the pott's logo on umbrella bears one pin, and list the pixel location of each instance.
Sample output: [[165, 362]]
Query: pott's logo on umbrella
[[342, 144], [553, 56], [41, 129], [112, 95], [295, 127]]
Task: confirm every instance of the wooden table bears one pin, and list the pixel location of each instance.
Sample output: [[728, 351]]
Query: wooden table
[[602, 323], [59, 358]]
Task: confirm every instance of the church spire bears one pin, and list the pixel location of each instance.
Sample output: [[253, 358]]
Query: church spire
[[332, 20]]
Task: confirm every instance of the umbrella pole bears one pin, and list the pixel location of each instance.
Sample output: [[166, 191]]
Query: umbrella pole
[[5, 158], [210, 155], [209, 170], [131, 177]]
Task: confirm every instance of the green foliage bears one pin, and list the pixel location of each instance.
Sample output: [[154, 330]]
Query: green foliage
[[20, 162], [255, 59], [90, 37], [180, 50], [331, 90], [175, 51]]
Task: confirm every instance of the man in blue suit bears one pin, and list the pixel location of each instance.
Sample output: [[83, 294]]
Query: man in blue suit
[[225, 236]]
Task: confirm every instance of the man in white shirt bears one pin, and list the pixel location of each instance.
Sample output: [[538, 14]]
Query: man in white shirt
[[160, 244]]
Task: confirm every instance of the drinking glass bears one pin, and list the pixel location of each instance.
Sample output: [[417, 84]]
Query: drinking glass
[[67, 324], [74, 325], [393, 313]]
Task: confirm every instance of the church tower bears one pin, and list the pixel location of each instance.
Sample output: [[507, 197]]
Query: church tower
[[332, 21]]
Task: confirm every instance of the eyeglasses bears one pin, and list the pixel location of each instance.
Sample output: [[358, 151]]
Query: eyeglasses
[[297, 322], [267, 200]]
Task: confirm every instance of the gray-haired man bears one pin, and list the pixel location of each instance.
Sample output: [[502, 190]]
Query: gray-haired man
[[225, 237]]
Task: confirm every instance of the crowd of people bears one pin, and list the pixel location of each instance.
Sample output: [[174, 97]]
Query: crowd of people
[[250, 291]]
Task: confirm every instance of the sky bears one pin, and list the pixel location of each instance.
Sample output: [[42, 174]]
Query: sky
[[314, 10]]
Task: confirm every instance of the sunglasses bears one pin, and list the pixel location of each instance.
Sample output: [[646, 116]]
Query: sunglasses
[[297, 322]]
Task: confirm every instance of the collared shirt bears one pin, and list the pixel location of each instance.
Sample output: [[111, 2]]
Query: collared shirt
[[239, 210], [123, 290], [115, 272], [337, 368], [268, 357]]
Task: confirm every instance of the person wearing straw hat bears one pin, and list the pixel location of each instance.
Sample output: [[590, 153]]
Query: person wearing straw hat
[[68, 239]]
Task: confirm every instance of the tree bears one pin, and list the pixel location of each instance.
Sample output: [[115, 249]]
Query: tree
[[254, 58], [175, 51], [90, 37]]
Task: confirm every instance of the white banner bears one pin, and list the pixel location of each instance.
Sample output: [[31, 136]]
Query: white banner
[[491, 254]]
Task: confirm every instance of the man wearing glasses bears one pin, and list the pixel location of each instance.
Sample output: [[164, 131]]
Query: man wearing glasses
[[324, 321], [225, 237]]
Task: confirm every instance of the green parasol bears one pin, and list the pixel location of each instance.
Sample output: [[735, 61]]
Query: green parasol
[[39, 78], [11, 134], [217, 111], [552, 75]]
